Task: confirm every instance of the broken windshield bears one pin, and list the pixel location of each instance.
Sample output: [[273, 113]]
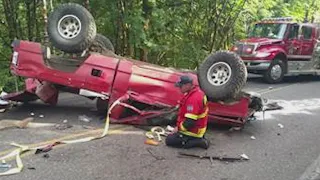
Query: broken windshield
[[273, 31]]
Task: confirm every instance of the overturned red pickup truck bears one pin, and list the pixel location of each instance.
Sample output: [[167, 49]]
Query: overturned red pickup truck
[[151, 97]]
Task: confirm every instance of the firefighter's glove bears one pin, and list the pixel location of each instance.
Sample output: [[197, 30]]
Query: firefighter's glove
[[188, 123]]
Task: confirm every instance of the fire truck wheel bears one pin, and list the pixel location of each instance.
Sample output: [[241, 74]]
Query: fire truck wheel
[[222, 76], [275, 72], [101, 42], [71, 28]]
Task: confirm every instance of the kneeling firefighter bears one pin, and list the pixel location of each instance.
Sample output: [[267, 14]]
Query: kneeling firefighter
[[192, 117]]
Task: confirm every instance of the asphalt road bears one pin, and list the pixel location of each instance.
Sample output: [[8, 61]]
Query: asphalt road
[[276, 153]]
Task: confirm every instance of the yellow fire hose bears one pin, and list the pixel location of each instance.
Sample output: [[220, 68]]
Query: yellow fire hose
[[22, 149]]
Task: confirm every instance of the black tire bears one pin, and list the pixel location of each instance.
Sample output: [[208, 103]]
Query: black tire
[[104, 42], [268, 75], [102, 106], [102, 45], [79, 21], [231, 86]]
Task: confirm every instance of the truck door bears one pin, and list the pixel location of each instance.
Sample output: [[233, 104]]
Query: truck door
[[307, 43], [293, 43]]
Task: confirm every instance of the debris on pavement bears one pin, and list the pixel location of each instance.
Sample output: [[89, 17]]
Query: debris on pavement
[[151, 142], [88, 127], [46, 148], [253, 138], [84, 118], [22, 148], [280, 126], [242, 157], [63, 126], [31, 168], [4, 124], [155, 156], [271, 106], [4, 165], [46, 155], [32, 114], [252, 118], [236, 128], [41, 116]]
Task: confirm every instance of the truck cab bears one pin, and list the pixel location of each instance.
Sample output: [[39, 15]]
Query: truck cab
[[279, 46]]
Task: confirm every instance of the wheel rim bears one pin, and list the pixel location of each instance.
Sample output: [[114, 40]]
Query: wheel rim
[[69, 26], [276, 72], [219, 74]]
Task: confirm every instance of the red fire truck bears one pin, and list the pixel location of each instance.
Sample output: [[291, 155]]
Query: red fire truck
[[279, 46]]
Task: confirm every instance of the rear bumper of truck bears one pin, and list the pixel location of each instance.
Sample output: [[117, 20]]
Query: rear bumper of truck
[[257, 65]]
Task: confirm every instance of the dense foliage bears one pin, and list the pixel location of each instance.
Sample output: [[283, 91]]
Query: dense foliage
[[178, 33]]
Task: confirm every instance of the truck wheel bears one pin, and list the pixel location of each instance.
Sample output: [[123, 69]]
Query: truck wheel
[[275, 72], [101, 42], [71, 28], [102, 106], [222, 76]]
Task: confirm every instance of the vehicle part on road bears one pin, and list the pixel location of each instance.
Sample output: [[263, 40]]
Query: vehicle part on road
[[222, 76], [71, 28], [275, 72], [220, 158]]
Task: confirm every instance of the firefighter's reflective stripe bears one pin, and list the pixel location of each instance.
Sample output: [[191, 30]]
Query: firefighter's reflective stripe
[[199, 134], [195, 116]]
